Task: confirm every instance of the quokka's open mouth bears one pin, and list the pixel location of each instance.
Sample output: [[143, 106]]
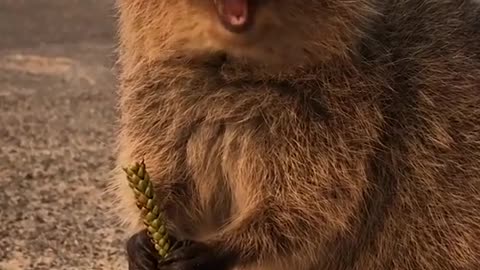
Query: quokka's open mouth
[[235, 15]]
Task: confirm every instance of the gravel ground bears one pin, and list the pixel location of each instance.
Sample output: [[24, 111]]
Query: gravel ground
[[57, 98]]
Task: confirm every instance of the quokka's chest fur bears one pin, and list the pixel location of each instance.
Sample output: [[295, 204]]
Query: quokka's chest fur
[[211, 137]]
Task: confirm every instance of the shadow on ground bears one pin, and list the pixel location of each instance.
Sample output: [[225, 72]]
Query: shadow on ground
[[56, 129]]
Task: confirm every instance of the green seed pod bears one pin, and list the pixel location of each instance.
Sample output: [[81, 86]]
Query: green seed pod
[[161, 251], [155, 211], [150, 217], [150, 204], [142, 187], [156, 223]]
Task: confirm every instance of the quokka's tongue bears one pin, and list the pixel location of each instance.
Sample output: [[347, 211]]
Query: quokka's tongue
[[235, 12]]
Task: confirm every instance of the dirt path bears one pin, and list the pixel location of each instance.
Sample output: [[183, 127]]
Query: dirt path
[[56, 126]]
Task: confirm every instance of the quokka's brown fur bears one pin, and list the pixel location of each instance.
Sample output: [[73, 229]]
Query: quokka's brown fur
[[334, 135]]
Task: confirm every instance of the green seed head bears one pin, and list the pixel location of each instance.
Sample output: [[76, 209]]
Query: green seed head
[[142, 187]]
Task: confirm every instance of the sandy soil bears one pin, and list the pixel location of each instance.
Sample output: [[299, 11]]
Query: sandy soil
[[57, 98]]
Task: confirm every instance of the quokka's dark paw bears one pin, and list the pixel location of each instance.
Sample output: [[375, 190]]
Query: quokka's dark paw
[[141, 253], [193, 256], [184, 255]]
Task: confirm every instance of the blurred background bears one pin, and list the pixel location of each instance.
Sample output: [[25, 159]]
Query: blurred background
[[57, 98]]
